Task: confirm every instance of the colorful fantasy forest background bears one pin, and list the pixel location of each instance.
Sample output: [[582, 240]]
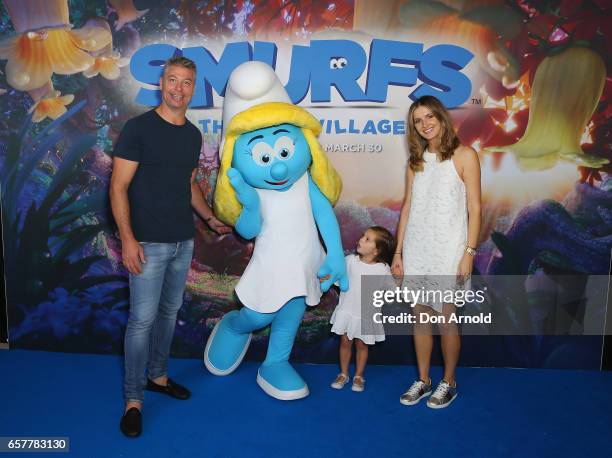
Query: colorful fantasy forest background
[[539, 116]]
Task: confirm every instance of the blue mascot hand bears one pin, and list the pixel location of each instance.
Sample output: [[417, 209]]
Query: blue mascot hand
[[245, 193], [333, 270], [249, 221]]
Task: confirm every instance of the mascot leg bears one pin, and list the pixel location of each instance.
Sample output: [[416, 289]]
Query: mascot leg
[[229, 340], [276, 376]]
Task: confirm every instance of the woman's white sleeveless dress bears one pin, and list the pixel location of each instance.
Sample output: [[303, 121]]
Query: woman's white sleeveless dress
[[436, 233]]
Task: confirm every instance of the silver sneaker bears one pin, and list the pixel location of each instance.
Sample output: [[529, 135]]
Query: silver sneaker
[[415, 393], [443, 396]]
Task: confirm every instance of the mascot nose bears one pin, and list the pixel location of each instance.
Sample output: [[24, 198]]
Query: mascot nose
[[279, 171]]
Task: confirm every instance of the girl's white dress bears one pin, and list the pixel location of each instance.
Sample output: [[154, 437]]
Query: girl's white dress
[[346, 318], [436, 233]]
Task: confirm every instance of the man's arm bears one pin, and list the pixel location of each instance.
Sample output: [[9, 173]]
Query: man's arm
[[201, 207], [132, 252]]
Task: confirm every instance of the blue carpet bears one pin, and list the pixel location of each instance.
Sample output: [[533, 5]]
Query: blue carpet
[[499, 412]]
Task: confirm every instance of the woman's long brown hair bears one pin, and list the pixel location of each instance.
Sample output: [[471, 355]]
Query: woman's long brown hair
[[449, 141]]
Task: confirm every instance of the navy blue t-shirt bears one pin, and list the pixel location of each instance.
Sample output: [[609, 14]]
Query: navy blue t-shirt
[[160, 192]]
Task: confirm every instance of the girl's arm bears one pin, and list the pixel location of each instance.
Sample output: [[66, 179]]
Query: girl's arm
[[470, 174], [334, 267], [397, 266]]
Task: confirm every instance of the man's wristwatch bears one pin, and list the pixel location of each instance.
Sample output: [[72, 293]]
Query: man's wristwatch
[[469, 250]]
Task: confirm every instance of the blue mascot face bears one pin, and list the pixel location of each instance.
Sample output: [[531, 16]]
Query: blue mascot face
[[272, 158]]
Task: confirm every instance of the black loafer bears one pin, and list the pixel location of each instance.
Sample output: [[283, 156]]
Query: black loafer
[[131, 423], [172, 389]]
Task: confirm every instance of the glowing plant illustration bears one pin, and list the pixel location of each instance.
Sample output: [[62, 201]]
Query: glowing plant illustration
[[53, 105], [45, 43], [565, 93], [126, 11], [481, 28], [107, 65]]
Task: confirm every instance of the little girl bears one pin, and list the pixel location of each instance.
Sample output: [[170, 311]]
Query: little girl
[[374, 255]]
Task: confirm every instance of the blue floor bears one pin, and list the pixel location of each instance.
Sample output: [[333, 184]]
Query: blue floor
[[499, 412]]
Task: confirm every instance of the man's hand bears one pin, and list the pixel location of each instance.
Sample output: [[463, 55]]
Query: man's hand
[[218, 226], [133, 256]]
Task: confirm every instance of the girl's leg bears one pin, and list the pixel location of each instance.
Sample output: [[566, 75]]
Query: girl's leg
[[362, 357], [346, 347], [451, 344], [423, 342]]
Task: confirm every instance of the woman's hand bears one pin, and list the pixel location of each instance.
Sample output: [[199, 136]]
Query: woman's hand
[[397, 266], [465, 266]]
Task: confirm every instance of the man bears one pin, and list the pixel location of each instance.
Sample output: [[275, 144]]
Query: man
[[152, 191]]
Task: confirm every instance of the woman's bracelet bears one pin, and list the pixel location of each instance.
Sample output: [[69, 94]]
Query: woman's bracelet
[[209, 218]]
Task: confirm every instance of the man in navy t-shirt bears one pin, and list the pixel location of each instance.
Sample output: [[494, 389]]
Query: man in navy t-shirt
[[153, 191]]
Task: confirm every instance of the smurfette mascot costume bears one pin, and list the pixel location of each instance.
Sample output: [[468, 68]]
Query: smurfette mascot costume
[[276, 185]]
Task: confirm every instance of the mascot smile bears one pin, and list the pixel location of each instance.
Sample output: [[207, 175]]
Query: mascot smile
[[276, 185]]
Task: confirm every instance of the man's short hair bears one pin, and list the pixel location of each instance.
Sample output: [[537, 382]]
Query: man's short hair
[[180, 61]]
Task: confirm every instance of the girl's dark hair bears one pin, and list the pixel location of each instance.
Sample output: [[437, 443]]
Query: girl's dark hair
[[417, 144], [385, 244]]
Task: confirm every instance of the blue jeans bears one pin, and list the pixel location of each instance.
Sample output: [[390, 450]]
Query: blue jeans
[[156, 295]]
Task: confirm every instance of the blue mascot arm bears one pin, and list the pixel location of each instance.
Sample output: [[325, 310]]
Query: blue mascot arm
[[333, 268], [249, 221]]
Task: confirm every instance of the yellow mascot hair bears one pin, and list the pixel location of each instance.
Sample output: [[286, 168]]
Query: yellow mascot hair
[[226, 205]]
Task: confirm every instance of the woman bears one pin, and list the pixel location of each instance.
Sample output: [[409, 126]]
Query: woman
[[437, 234]]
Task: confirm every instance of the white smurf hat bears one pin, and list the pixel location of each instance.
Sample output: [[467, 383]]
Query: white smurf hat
[[255, 98], [251, 83]]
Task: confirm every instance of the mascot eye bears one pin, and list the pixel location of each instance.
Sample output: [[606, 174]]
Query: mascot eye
[[284, 148], [333, 63], [342, 62], [262, 154]]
